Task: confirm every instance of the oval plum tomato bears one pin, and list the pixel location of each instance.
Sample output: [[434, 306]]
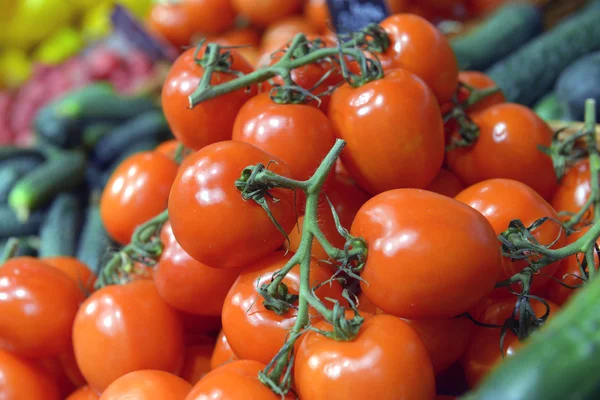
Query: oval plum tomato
[[147, 385], [107, 322], [21, 379], [136, 191], [188, 285], [170, 20], [299, 134], [412, 232], [401, 112], [212, 120], [266, 12], [75, 269], [507, 147], [209, 16], [204, 196], [38, 304], [83, 393], [255, 333], [419, 47], [284, 30], [503, 200], [222, 353], [197, 362], [574, 190], [445, 183], [236, 380], [387, 360], [478, 80]]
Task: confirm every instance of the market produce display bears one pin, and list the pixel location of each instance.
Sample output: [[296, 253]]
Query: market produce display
[[398, 212]]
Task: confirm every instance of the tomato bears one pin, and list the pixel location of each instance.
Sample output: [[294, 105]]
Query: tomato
[[54, 370], [411, 233], [266, 12], [188, 285], [236, 380], [212, 120], [574, 190], [21, 379], [209, 16], [284, 30], [387, 360], [197, 362], [110, 318], [503, 200], [478, 80], [391, 109], [222, 353], [255, 333], [37, 306], [170, 20], [75, 269], [246, 36], [206, 207], [419, 47], [169, 149], [511, 133], [317, 13], [71, 369], [83, 393], [136, 191], [198, 327], [147, 385], [445, 183]]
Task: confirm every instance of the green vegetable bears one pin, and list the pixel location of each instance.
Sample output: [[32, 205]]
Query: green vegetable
[[59, 232], [9, 153], [94, 132], [12, 226], [549, 109], [27, 246], [147, 144], [577, 83], [8, 178], [94, 240]]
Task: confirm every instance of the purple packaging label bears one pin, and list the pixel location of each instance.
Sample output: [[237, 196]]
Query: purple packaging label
[[352, 15]]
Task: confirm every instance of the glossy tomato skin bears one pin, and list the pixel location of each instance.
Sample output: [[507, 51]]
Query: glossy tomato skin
[[412, 232], [387, 360], [170, 20], [37, 308], [209, 16], [75, 269], [284, 30], [21, 379], [419, 47], [83, 393], [188, 285], [137, 191], [212, 120], [110, 318], [502, 200], [574, 190], [222, 353], [446, 183], [507, 147], [255, 333], [204, 197], [147, 385], [478, 80], [197, 362], [266, 12], [392, 110]]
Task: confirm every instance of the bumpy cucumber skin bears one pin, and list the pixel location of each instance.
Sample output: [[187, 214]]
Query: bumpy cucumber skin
[[94, 240], [59, 232], [577, 83]]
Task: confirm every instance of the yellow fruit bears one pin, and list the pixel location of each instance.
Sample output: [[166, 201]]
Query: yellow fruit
[[63, 44], [15, 67]]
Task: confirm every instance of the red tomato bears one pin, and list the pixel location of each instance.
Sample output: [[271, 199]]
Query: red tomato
[[169, 149], [197, 362], [574, 190], [70, 368], [188, 285], [170, 20], [253, 332], [236, 380], [21, 379], [419, 47], [38, 306], [503, 200], [317, 13], [445, 183], [413, 232], [209, 16], [110, 318], [247, 36], [222, 353], [511, 133], [204, 197], [266, 12], [210, 121], [75, 269], [387, 360], [198, 327], [478, 80], [391, 109], [137, 191], [53, 369], [284, 30], [83, 393], [147, 385]]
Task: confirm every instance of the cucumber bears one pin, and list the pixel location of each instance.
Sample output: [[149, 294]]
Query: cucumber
[[9, 152], [26, 246], [549, 109], [8, 178], [507, 29], [559, 362], [60, 230], [146, 145], [11, 225], [94, 242], [578, 82], [94, 177], [61, 172], [529, 73], [94, 132]]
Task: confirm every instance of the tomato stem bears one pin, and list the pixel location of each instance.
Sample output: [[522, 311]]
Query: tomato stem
[[10, 250]]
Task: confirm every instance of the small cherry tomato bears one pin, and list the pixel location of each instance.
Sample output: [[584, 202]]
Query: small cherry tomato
[[266, 12], [284, 30], [246, 36], [147, 385], [197, 362], [205, 207], [75, 269], [169, 149], [83, 393], [478, 80], [21, 379], [445, 183], [209, 16], [317, 13], [574, 190], [222, 353], [170, 20]]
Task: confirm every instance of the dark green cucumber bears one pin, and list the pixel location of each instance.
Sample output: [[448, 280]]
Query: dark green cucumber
[[577, 83], [27, 246], [560, 362], [94, 132], [549, 109], [11, 152], [507, 29], [62, 171], [94, 241], [8, 178], [529, 73], [10, 225], [60, 230]]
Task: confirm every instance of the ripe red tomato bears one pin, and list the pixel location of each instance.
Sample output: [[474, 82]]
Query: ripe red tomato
[[445, 183], [83, 393], [222, 353], [387, 360], [210, 121], [511, 133], [255, 333], [503, 200], [110, 318], [188, 285], [197, 362], [204, 197], [317, 13], [419, 47], [170, 20], [75, 269], [137, 191], [411, 233], [246, 36], [284, 30], [147, 385], [478, 80], [209, 16], [266, 12], [391, 109], [21, 379], [574, 190], [38, 306], [169, 149], [70, 368]]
